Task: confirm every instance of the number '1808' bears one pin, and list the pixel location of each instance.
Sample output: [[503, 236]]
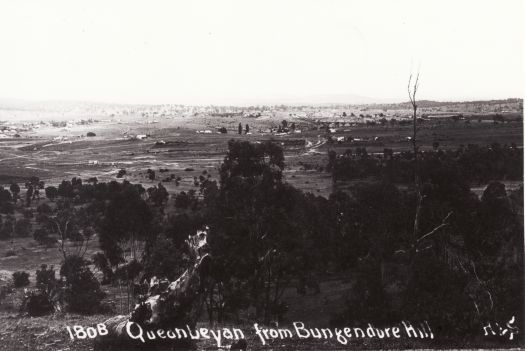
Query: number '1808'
[[79, 332]]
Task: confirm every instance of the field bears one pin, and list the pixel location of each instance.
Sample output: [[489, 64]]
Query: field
[[179, 149], [176, 147]]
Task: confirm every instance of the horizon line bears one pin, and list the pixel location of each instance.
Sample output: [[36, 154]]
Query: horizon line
[[262, 102]]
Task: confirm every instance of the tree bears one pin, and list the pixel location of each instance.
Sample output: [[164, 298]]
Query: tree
[[72, 224], [82, 289], [7, 228], [15, 191], [29, 195], [126, 222], [151, 174], [51, 192], [20, 279], [158, 195], [6, 201], [33, 186], [253, 237]]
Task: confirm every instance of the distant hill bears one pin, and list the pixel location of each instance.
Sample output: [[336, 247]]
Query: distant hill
[[328, 100], [431, 103]]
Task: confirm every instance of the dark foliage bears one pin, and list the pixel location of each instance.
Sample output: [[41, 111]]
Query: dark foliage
[[474, 164], [20, 279], [82, 290], [37, 304]]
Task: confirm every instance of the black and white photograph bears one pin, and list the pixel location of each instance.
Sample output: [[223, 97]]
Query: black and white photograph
[[295, 175]]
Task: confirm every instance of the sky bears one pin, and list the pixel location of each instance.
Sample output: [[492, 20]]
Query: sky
[[231, 52]]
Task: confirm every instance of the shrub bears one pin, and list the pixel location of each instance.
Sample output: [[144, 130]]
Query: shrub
[[51, 192], [46, 280], [82, 291], [151, 174], [20, 279], [121, 173], [41, 301], [37, 303]]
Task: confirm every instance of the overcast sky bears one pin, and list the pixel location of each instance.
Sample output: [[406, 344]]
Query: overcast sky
[[235, 51]]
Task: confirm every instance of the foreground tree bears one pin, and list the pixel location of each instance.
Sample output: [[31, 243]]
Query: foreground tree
[[253, 236]]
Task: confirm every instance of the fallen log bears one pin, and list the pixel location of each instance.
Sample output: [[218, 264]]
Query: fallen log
[[177, 306]]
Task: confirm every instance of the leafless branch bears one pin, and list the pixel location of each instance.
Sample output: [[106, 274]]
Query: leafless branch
[[425, 248], [444, 223]]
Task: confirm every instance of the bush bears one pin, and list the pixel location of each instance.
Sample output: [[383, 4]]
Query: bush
[[46, 280], [82, 291], [121, 173], [51, 192], [41, 301], [20, 279], [36, 303]]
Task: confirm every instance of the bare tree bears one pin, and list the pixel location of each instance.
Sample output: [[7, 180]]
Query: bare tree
[[412, 91], [417, 239], [71, 224], [477, 289]]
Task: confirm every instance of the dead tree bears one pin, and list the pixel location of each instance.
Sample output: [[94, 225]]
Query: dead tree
[[418, 240], [417, 182], [476, 289], [176, 304]]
